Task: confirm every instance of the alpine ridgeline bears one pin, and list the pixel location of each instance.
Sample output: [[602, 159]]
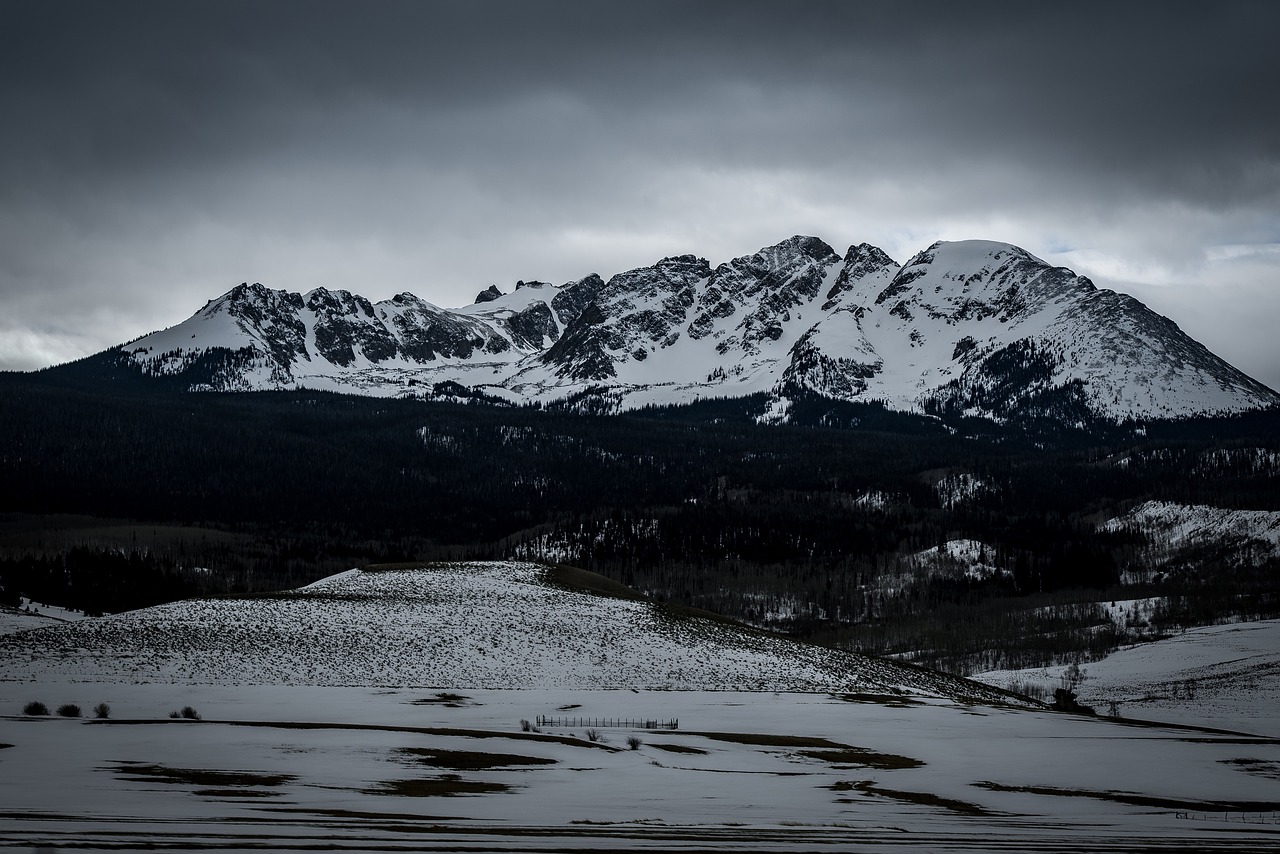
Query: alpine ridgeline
[[966, 328]]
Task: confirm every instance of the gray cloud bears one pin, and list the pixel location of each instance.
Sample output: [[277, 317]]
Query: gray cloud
[[159, 153]]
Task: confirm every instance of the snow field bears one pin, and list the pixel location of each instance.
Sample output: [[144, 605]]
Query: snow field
[[353, 713], [769, 771]]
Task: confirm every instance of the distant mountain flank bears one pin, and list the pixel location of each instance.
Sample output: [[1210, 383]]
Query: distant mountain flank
[[970, 328]]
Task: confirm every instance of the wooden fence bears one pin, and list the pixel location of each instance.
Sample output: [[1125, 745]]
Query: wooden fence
[[609, 723]]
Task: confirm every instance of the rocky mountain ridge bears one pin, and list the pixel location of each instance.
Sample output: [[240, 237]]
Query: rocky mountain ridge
[[973, 328]]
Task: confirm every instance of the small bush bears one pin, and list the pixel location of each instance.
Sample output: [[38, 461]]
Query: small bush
[[633, 742], [69, 710], [190, 713], [525, 726], [174, 714], [596, 735], [35, 707], [102, 711]]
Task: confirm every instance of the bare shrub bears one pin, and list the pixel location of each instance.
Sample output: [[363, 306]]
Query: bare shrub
[[1072, 677], [1029, 688], [190, 714], [35, 707], [102, 711], [634, 742], [69, 710], [597, 736]]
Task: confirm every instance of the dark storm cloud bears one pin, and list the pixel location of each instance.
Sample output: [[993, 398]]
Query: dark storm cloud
[[1175, 97], [159, 152]]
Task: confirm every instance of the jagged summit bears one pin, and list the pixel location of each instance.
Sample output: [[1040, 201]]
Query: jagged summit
[[971, 327]]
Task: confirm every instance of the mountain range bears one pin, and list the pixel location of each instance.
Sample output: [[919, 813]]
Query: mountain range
[[972, 328]]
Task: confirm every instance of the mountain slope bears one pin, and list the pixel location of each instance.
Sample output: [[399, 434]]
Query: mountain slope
[[973, 328], [1182, 535], [473, 625], [1033, 333]]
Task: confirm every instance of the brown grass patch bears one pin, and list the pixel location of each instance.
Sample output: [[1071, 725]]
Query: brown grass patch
[[445, 786], [1134, 799], [421, 730], [680, 748], [584, 581], [864, 758], [135, 772], [829, 751], [895, 701], [235, 793], [471, 760], [768, 740], [927, 799], [1257, 767], [444, 698]]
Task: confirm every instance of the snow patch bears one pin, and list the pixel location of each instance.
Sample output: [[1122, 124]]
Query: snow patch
[[1250, 535]]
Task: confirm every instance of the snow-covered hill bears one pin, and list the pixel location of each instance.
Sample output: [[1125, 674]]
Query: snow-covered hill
[[1183, 533], [969, 559], [972, 327], [471, 625], [1225, 676]]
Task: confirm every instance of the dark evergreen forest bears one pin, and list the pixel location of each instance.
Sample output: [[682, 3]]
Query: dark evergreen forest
[[121, 495]]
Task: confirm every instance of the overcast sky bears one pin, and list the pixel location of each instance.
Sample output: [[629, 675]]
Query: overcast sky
[[153, 155]]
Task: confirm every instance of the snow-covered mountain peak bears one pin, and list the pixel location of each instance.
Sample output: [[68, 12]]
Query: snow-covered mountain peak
[[962, 279], [976, 327], [962, 255]]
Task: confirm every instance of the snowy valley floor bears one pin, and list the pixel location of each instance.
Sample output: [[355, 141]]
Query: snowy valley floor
[[311, 740], [314, 768]]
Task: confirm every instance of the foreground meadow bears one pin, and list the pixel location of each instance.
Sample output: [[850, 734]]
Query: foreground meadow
[[407, 709]]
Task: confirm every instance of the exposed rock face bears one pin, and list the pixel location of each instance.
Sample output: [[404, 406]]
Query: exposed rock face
[[973, 327], [634, 313], [569, 302], [425, 333], [344, 325]]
